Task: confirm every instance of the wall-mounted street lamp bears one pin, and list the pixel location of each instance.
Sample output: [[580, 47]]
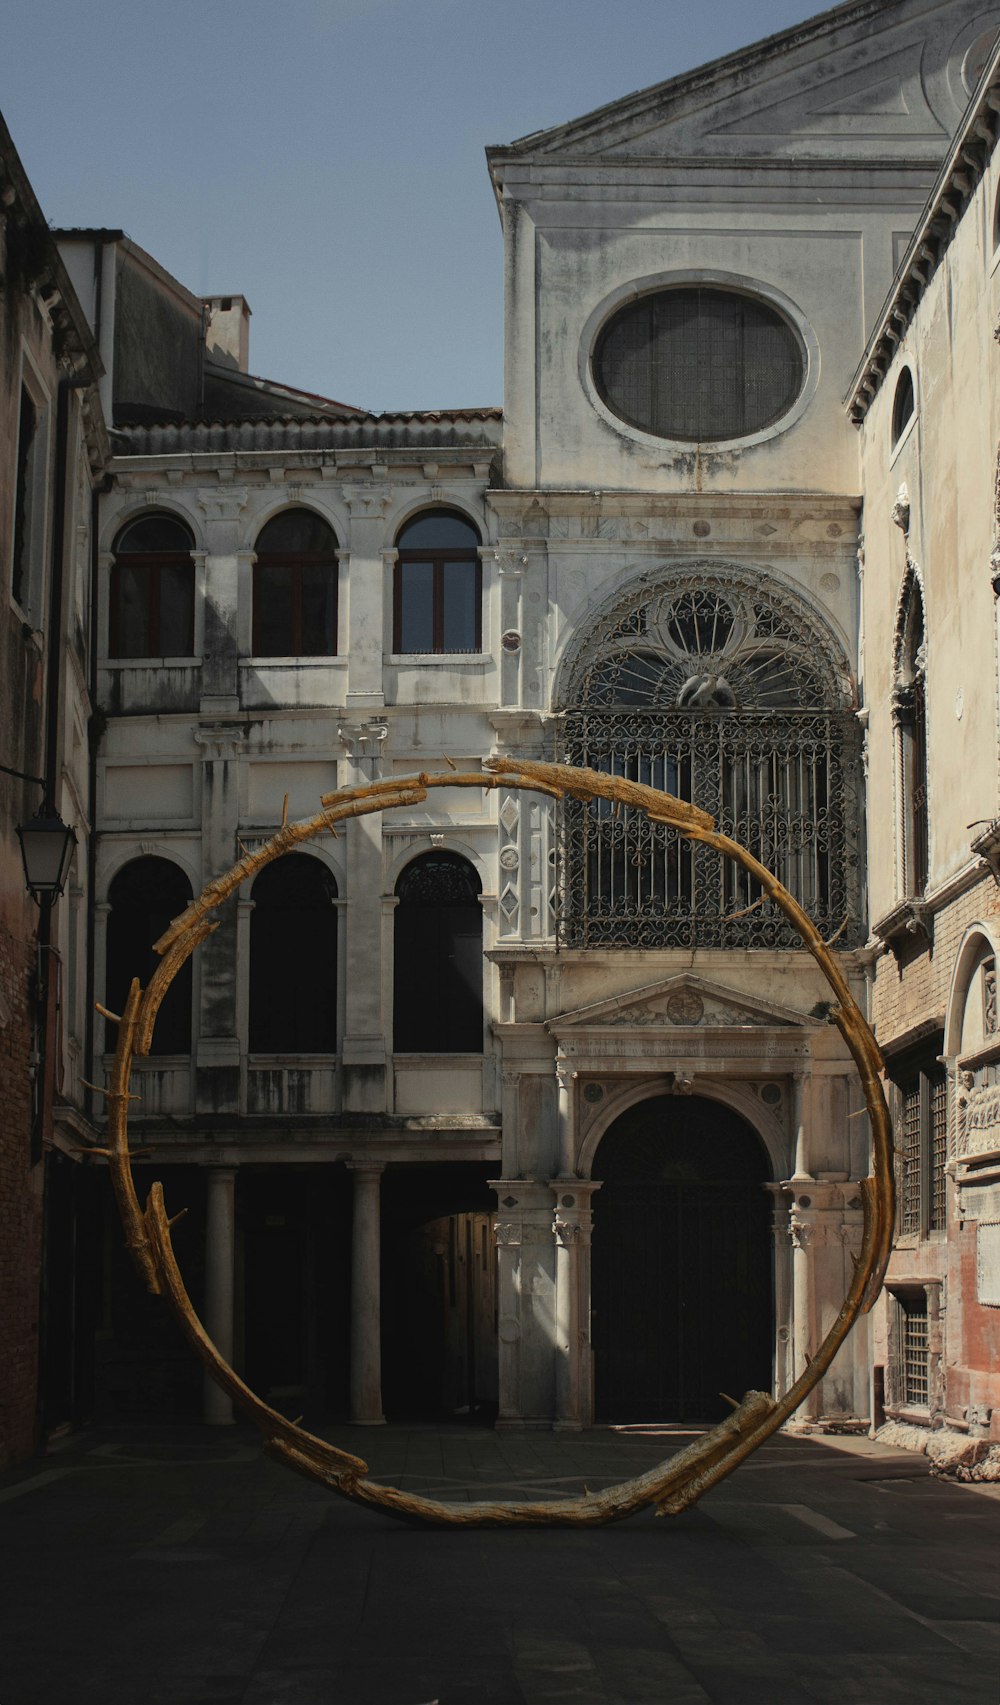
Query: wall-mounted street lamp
[[47, 846]]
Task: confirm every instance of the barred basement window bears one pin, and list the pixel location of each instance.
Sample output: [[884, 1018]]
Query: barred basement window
[[720, 686], [915, 1381], [700, 364]]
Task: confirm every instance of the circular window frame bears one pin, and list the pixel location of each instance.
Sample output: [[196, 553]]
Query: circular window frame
[[739, 285]]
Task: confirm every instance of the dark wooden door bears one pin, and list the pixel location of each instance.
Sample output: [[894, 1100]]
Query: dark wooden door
[[682, 1307]]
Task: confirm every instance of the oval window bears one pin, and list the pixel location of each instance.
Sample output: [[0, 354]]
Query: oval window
[[699, 364]]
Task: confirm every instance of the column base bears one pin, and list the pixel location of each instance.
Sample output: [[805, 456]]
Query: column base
[[379, 1421]]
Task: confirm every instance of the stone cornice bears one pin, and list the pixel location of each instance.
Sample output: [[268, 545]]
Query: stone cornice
[[953, 191]]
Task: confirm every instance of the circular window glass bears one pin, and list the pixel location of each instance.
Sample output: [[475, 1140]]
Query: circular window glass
[[699, 364]]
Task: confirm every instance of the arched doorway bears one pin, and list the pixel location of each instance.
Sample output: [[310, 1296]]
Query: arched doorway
[[682, 1287], [439, 1326]]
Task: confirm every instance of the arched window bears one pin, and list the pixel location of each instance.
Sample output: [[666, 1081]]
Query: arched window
[[295, 587], [437, 604], [902, 404], [293, 958], [909, 712], [144, 896], [700, 364], [438, 958], [152, 589], [724, 688]]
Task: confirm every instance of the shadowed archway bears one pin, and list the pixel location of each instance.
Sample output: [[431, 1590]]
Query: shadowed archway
[[682, 1286]]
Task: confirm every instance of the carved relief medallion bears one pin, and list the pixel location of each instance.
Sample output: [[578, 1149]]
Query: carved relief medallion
[[685, 1006]]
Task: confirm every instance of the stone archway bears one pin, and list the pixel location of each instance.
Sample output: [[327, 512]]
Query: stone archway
[[682, 1304]]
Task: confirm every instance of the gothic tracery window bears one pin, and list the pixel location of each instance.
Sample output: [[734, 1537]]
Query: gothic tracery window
[[719, 686]]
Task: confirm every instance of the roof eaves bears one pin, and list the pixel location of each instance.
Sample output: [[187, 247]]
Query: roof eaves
[[702, 77], [957, 181]]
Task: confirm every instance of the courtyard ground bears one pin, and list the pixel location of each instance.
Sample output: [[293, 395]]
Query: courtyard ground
[[177, 1566]]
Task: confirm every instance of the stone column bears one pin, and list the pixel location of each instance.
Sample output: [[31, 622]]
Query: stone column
[[571, 1232], [565, 1078], [363, 1040], [783, 1350], [525, 1301], [366, 1304], [800, 1134], [802, 1231], [220, 1267]]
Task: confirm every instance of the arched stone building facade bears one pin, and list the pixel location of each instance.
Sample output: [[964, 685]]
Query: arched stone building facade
[[648, 562]]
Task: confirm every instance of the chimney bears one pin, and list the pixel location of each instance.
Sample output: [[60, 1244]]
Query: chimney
[[227, 331]]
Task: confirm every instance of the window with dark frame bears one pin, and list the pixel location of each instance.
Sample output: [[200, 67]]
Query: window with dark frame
[[914, 1369], [437, 586], [295, 587], [910, 718], [27, 429], [903, 404], [143, 898], [700, 363], [922, 1144], [293, 958], [152, 589], [438, 957]]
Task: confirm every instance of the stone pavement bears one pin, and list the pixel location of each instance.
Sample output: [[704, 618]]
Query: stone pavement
[[178, 1566]]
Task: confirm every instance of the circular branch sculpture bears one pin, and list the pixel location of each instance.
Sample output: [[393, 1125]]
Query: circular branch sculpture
[[676, 1483]]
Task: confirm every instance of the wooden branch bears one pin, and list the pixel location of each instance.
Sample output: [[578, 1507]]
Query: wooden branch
[[682, 1479]]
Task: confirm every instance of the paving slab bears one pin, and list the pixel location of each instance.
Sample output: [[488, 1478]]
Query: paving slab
[[158, 1565]]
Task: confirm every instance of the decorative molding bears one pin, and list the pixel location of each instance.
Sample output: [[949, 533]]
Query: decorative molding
[[219, 740], [911, 919], [986, 845], [226, 505], [900, 511]]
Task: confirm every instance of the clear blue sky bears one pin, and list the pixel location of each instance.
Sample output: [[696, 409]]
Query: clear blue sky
[[325, 157]]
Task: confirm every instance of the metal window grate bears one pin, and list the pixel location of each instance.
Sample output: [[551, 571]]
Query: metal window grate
[[916, 1383], [909, 1191], [938, 1092]]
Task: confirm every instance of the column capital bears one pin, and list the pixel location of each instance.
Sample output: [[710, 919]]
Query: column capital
[[366, 1165]]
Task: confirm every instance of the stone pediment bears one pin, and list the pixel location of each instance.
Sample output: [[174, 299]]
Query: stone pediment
[[861, 81], [685, 1002]]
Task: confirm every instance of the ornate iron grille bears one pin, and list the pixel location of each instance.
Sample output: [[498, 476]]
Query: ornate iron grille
[[939, 1150], [719, 685], [916, 1384], [909, 1192], [782, 783]]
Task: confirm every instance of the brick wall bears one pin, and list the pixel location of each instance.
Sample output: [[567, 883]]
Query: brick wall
[[20, 1210], [916, 988]]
